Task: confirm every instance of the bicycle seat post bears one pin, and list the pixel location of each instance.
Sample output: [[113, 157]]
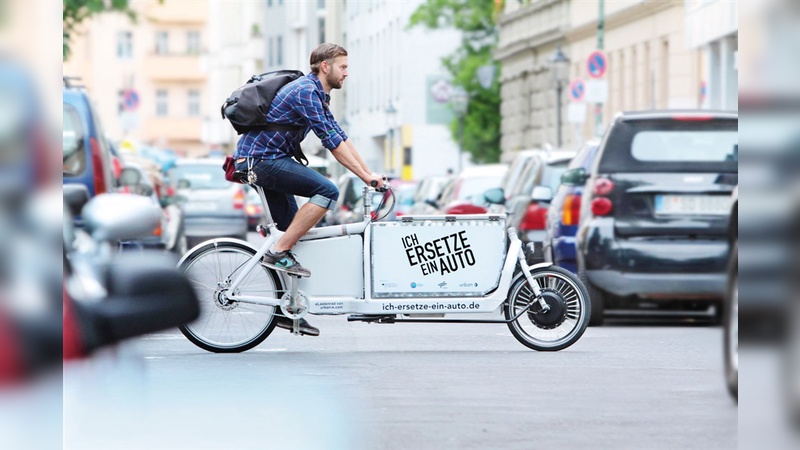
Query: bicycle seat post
[[265, 205]]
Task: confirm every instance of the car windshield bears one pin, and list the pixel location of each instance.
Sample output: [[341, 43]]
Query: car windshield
[[73, 142], [552, 174], [694, 145], [473, 188], [200, 176]]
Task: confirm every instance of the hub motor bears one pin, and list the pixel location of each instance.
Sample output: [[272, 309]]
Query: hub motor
[[555, 316]]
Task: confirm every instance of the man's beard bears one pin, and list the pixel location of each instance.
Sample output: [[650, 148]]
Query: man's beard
[[333, 82]]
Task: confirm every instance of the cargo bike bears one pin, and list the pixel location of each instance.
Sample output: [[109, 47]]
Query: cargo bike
[[419, 269]]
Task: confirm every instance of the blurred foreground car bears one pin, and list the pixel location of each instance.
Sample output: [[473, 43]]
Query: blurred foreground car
[[213, 206], [731, 310], [654, 215], [87, 158], [563, 215], [464, 193]]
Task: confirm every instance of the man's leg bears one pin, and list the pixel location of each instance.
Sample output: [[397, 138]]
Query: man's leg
[[308, 216]]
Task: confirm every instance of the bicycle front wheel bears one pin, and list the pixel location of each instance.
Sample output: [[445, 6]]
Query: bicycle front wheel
[[226, 326], [566, 318]]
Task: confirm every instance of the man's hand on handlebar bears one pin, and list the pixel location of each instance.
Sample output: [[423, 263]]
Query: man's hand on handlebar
[[379, 182]]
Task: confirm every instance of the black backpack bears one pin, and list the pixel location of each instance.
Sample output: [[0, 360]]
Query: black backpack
[[247, 107]]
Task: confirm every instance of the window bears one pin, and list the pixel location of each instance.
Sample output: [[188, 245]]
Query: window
[[162, 43], [271, 52], [686, 146], [193, 42], [320, 4], [161, 102], [269, 3], [322, 30], [124, 45], [194, 102], [73, 143], [279, 44]]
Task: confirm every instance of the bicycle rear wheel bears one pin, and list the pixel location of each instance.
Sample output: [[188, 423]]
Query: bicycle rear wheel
[[228, 326]]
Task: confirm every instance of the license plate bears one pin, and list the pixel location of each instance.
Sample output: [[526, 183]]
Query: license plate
[[693, 204], [200, 207]]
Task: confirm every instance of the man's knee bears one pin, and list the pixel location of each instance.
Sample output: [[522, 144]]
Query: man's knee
[[326, 196]]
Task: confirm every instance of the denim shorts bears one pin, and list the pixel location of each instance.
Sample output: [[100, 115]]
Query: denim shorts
[[284, 178]]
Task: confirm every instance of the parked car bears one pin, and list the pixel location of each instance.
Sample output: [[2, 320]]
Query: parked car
[[169, 234], [463, 194], [213, 206], [730, 347], [350, 191], [563, 215], [428, 192], [87, 158], [521, 161], [527, 203], [654, 216], [403, 196]]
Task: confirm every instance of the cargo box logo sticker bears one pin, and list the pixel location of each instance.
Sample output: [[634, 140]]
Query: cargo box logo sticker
[[440, 256]]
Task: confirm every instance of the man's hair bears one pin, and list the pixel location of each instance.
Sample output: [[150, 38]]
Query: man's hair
[[325, 52]]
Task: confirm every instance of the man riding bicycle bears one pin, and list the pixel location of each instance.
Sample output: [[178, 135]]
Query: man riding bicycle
[[303, 103]]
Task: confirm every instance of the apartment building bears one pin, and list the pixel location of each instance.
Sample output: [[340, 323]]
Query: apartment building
[[397, 93], [147, 78], [650, 65], [713, 26]]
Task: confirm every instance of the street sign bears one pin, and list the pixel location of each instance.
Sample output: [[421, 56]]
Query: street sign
[[576, 112], [130, 100], [597, 91], [577, 90], [597, 64]]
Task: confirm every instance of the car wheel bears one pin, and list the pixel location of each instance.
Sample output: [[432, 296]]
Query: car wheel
[[598, 299]]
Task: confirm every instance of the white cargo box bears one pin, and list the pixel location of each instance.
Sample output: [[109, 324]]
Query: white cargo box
[[425, 256]]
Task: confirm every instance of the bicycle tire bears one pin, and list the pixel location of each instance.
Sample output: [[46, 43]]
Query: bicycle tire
[[576, 316], [240, 327]]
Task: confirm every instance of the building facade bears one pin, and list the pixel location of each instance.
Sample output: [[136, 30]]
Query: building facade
[[713, 26], [649, 65], [397, 93], [529, 37], [147, 79]]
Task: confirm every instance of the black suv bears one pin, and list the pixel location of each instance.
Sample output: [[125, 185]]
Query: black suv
[[655, 213]]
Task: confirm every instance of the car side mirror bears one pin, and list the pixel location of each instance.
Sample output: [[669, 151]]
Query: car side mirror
[[543, 194], [575, 177], [495, 196]]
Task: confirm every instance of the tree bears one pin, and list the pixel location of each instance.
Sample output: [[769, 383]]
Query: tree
[[76, 11], [476, 20]]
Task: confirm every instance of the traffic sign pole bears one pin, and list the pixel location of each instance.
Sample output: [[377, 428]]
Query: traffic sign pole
[[601, 29]]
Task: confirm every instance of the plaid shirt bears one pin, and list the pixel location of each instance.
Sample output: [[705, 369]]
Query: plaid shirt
[[302, 102]]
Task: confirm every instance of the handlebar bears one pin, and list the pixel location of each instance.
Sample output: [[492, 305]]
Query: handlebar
[[385, 187]]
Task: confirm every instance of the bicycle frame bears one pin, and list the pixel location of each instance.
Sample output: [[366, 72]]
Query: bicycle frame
[[346, 285]]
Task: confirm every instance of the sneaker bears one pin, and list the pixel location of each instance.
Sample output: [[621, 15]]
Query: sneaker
[[305, 327], [284, 261]]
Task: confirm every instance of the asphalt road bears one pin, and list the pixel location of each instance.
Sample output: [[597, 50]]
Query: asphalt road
[[407, 386]]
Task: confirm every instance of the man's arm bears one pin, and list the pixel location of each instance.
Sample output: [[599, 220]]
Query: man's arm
[[347, 157], [357, 156]]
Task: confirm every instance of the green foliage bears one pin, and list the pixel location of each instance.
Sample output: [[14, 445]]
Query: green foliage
[[76, 11], [475, 20]]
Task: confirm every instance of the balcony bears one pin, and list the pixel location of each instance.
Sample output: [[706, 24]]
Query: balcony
[[177, 68], [172, 128]]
